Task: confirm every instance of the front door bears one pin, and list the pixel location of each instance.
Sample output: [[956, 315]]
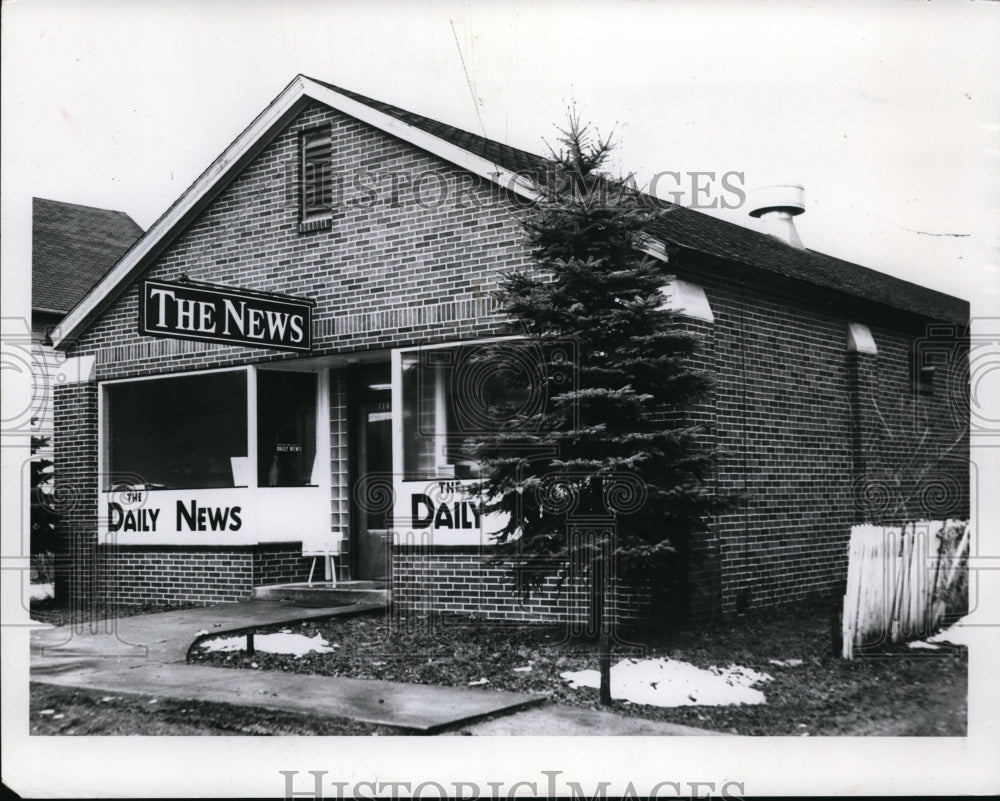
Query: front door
[[371, 480]]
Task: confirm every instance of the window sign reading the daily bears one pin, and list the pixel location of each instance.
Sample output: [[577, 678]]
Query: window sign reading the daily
[[441, 513], [227, 316], [447, 398]]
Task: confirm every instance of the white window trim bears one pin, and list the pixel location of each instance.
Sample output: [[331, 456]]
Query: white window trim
[[396, 377], [320, 477]]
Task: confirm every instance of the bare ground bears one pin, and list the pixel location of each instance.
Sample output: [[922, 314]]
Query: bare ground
[[891, 690]]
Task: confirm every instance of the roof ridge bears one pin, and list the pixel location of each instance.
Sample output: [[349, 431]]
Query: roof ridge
[[402, 114], [435, 127]]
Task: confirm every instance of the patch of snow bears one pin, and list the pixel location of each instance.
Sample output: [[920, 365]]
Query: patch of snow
[[922, 644], [525, 669], [670, 682], [294, 644], [47, 712], [785, 662], [200, 633], [964, 632], [37, 592], [60, 716], [479, 683]]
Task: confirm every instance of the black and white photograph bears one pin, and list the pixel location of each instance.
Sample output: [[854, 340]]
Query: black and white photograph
[[555, 374]]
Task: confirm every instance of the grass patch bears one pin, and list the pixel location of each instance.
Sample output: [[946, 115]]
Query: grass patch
[[891, 691], [48, 610], [72, 711]]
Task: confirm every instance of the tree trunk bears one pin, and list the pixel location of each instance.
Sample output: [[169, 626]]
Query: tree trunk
[[600, 577], [604, 663]]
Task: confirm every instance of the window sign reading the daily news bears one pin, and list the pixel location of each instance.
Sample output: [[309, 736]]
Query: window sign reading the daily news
[[178, 463], [449, 395], [226, 316]]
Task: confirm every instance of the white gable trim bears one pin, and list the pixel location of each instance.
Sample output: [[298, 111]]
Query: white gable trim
[[256, 135], [135, 259]]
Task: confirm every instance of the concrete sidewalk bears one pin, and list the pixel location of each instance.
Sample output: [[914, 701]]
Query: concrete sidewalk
[[416, 708], [166, 637], [147, 655]]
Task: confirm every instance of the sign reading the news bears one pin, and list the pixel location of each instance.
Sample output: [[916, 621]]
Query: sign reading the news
[[226, 316]]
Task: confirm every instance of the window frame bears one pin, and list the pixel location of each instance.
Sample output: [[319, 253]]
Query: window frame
[[926, 363], [251, 371], [397, 356]]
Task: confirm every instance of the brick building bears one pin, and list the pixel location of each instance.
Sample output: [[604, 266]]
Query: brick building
[[270, 374]]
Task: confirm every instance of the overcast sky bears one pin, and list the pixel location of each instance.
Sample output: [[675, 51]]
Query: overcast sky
[[889, 114]]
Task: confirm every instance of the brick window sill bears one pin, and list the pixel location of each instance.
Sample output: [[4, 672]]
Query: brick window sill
[[315, 224]]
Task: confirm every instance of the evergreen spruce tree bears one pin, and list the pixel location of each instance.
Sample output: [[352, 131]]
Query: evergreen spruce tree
[[614, 373]]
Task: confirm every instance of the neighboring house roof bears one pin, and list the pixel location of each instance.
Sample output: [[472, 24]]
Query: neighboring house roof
[[72, 248], [501, 163]]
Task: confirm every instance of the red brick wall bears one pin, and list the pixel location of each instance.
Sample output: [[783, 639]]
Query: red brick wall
[[816, 438], [75, 486], [407, 269], [425, 580], [280, 564], [172, 574]]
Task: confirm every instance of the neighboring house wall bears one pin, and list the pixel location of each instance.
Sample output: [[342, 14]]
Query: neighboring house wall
[[73, 246], [46, 361]]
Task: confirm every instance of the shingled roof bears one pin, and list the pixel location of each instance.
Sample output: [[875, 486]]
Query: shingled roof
[[692, 230], [72, 248]]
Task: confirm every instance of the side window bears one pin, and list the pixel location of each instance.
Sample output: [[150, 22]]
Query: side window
[[448, 397], [317, 176], [929, 365]]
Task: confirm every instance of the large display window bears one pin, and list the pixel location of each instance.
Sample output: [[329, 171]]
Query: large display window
[[220, 456], [443, 398], [286, 428], [186, 432]]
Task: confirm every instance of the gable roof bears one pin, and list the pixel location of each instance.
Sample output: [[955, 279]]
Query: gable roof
[[506, 166], [698, 232], [72, 248], [510, 158], [692, 230]]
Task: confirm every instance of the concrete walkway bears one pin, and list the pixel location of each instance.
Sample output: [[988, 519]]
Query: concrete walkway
[[147, 655]]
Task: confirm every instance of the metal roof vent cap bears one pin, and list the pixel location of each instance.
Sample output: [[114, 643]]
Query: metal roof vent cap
[[776, 206]]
